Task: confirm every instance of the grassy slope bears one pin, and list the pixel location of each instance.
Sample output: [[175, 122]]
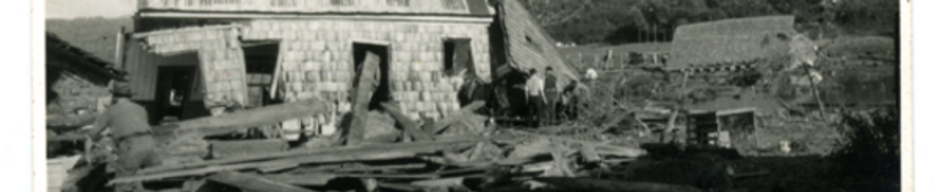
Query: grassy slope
[[95, 35]]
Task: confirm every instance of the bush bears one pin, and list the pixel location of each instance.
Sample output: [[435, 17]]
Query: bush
[[872, 145]]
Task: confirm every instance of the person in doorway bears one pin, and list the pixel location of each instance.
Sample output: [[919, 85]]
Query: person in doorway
[[535, 97], [552, 94], [131, 132]]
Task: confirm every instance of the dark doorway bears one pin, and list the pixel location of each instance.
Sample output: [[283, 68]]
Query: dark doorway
[[260, 63], [383, 92], [457, 57], [174, 89]]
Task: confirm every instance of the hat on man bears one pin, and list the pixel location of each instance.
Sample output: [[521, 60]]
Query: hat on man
[[121, 89]]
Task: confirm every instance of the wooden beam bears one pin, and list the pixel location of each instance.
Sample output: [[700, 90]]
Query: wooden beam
[[381, 168], [254, 183], [462, 113], [399, 187], [362, 154], [226, 123], [305, 152], [446, 182], [364, 88], [408, 125], [588, 184], [307, 179]]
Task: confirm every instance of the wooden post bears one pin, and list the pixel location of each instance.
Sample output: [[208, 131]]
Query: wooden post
[[361, 97], [822, 106], [119, 49], [580, 60]]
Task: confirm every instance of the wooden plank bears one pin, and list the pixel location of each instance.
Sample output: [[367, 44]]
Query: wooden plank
[[378, 153], [399, 186], [588, 184], [410, 126], [365, 87], [254, 183], [589, 154], [226, 123], [390, 176], [381, 168], [307, 179], [275, 168], [445, 182], [456, 116], [314, 151], [222, 149]]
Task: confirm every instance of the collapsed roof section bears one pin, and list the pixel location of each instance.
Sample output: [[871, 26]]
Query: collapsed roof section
[[527, 44]]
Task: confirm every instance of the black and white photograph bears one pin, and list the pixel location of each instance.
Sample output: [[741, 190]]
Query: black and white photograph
[[472, 95]]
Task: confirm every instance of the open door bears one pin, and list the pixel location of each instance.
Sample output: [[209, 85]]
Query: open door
[[174, 92], [383, 92]]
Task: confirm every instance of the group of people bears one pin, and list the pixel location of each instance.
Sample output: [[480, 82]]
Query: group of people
[[548, 102]]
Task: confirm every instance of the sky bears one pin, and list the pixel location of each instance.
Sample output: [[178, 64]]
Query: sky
[[69, 9]]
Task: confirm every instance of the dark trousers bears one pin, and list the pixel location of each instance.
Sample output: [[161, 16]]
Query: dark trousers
[[551, 111], [133, 154], [534, 103]]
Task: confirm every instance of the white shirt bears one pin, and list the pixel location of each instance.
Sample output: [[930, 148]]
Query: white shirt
[[591, 74], [535, 85]]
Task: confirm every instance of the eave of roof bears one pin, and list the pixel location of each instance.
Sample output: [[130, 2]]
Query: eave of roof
[[302, 15], [54, 42]]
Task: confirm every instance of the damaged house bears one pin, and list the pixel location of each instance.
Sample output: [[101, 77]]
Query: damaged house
[[743, 58], [191, 59]]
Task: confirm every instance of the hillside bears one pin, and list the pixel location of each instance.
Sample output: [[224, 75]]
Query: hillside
[[632, 21], [95, 35]]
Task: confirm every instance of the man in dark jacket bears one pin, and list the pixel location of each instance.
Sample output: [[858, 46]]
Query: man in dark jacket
[[132, 134], [552, 94]]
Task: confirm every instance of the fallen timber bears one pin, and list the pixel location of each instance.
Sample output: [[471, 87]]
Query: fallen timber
[[239, 120], [389, 151]]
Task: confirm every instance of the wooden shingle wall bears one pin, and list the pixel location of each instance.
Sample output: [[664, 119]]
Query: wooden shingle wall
[[316, 59], [221, 60]]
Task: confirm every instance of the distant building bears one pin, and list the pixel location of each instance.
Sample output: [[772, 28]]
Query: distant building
[[731, 43]]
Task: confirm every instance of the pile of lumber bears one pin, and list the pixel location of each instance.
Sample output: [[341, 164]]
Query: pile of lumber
[[460, 152]]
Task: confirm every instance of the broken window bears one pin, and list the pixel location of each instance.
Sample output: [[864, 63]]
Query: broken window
[[458, 57], [260, 63]]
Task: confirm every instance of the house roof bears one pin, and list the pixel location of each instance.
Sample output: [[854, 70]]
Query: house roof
[[56, 45], [730, 41], [406, 7], [529, 45]]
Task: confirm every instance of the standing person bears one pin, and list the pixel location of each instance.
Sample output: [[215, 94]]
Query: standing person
[[576, 94], [535, 97], [132, 134], [552, 93]]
